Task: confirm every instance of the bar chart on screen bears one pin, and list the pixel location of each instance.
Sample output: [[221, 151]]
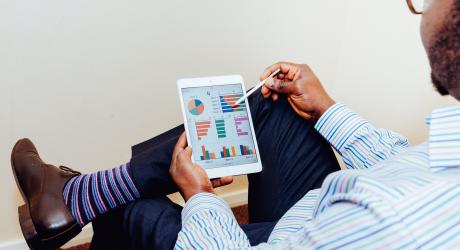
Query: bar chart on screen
[[220, 133], [202, 128], [227, 103], [206, 155], [233, 152], [226, 152], [242, 125], [220, 128]]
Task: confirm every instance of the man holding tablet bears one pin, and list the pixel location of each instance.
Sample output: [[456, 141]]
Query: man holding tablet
[[392, 195], [132, 197]]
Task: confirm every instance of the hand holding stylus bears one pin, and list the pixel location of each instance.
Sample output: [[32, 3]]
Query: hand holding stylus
[[302, 88]]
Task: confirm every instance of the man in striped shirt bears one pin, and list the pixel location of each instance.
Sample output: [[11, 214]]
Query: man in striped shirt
[[391, 195]]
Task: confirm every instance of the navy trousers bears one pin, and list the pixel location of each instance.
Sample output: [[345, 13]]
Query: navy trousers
[[295, 159]]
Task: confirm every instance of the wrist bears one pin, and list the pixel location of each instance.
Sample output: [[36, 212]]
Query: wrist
[[324, 106], [194, 191]]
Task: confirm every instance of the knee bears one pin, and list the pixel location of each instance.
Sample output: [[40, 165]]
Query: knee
[[137, 212], [152, 223]]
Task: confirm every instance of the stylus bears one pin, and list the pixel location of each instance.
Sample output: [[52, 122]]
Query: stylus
[[256, 87]]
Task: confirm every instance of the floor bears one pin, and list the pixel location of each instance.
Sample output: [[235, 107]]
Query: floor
[[241, 214]]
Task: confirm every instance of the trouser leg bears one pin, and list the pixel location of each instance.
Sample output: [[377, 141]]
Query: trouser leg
[[155, 224], [295, 158], [150, 164], [258, 232], [152, 223], [108, 231]]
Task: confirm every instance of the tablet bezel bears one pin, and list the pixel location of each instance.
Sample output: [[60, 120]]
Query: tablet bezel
[[217, 81]]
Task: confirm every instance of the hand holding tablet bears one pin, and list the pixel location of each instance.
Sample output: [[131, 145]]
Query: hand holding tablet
[[189, 177], [220, 133]]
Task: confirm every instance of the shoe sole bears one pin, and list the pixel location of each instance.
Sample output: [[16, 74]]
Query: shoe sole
[[32, 237]]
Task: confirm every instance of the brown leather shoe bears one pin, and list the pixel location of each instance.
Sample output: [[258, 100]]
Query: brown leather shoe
[[45, 220]]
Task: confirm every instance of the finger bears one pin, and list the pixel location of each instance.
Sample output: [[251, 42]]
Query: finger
[[275, 97], [188, 152], [284, 68], [219, 182], [267, 95], [265, 92], [303, 114], [181, 142], [294, 72], [179, 146], [280, 86], [185, 156]]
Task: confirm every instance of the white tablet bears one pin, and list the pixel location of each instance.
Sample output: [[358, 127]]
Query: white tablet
[[221, 135]]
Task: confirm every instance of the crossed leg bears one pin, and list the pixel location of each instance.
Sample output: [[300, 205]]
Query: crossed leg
[[294, 156]]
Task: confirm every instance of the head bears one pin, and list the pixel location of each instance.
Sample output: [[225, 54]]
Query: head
[[440, 31]]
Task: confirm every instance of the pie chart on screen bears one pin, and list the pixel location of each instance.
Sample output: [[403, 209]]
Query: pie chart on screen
[[195, 107]]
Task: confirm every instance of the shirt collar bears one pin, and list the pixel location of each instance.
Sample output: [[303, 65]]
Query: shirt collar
[[444, 138]]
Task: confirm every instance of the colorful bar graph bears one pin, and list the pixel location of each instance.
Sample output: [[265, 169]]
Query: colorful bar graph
[[220, 127], [246, 150], [203, 152], [227, 103], [239, 123], [206, 155], [202, 128], [226, 152]]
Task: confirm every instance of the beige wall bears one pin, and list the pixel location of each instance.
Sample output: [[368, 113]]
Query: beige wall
[[87, 79]]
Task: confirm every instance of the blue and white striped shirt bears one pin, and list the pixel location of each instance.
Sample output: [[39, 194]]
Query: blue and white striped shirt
[[390, 196]]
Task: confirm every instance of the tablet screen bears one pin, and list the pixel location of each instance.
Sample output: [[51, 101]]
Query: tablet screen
[[220, 132]]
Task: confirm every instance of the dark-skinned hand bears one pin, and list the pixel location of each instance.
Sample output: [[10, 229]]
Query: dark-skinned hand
[[301, 87], [190, 177]]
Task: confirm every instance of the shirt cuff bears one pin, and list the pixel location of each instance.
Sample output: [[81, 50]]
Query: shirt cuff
[[204, 201], [338, 124]]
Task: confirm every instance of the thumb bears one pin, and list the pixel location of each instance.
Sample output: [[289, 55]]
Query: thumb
[[222, 181], [281, 86], [185, 155], [188, 152]]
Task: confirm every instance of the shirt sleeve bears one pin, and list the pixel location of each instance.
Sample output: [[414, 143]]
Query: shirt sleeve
[[350, 225], [360, 144], [208, 223]]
